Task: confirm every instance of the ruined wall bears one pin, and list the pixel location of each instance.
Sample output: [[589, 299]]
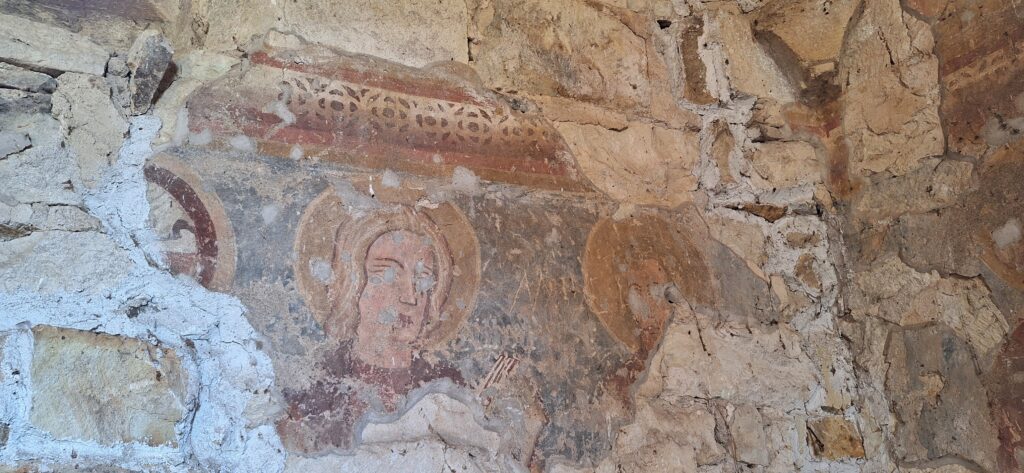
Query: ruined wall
[[511, 235]]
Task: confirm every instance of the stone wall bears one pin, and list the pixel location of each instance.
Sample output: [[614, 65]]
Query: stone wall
[[511, 235]]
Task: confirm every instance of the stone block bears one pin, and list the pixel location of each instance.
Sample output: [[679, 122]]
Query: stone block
[[94, 126], [14, 77], [40, 174], [643, 164], [749, 442], [781, 164], [40, 46], [812, 30], [105, 389], [749, 68], [565, 48], [435, 32], [13, 142], [941, 404], [890, 71], [58, 261], [834, 438], [147, 62], [14, 101]]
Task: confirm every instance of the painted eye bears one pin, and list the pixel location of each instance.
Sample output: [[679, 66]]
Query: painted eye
[[376, 279]]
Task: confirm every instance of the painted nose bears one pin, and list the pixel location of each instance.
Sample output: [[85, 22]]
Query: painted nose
[[407, 292]]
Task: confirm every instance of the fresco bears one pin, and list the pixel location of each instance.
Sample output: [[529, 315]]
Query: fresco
[[385, 284], [396, 234], [368, 112], [190, 224], [635, 271]]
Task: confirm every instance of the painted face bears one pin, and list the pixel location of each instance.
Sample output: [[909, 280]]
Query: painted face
[[647, 301], [400, 275]]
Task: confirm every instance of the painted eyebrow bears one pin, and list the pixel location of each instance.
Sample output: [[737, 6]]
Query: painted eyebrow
[[391, 260]]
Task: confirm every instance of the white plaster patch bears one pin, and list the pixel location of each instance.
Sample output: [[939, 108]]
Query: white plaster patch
[[269, 213], [321, 270], [180, 127], [201, 138], [464, 181], [1008, 234], [390, 179], [242, 143]]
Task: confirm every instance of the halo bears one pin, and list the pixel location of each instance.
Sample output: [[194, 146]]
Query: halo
[[613, 244], [215, 238], [315, 241]]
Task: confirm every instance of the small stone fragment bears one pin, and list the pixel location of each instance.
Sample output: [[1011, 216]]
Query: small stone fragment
[[104, 388], [147, 62], [782, 164], [40, 46], [748, 436], [834, 438], [804, 271], [771, 213], [14, 77]]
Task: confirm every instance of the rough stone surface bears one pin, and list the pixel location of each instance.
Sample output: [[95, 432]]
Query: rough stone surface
[[938, 398], [566, 48], [14, 77], [834, 438], [95, 128], [411, 32], [892, 122], [642, 164], [40, 46], [747, 430], [811, 31], [147, 62], [786, 164], [749, 68], [51, 261], [105, 389]]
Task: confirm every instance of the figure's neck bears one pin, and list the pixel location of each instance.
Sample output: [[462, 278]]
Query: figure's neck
[[377, 353]]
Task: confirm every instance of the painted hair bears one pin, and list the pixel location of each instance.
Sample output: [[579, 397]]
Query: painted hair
[[352, 242]]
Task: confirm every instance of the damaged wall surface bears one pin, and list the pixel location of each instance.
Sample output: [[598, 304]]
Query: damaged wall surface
[[512, 236]]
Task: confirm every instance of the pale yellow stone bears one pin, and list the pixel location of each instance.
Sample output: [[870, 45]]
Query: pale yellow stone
[[411, 32], [643, 164], [835, 438], [749, 67], [812, 29], [558, 109], [105, 389], [563, 48], [966, 306], [781, 164], [891, 120]]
